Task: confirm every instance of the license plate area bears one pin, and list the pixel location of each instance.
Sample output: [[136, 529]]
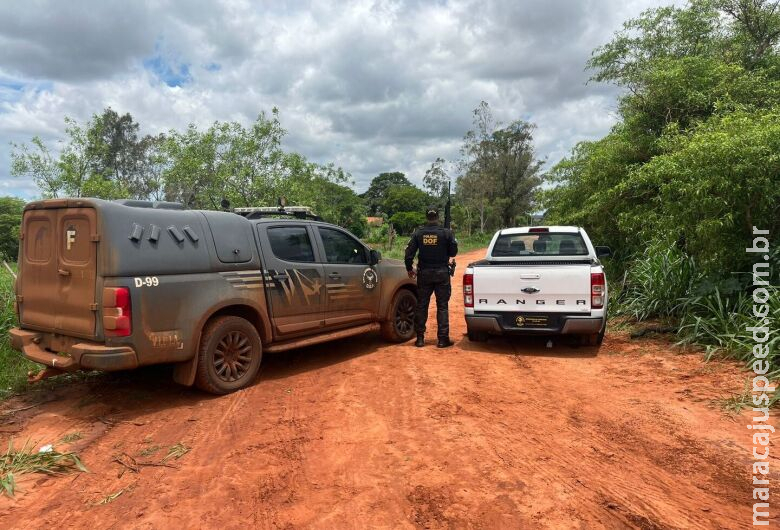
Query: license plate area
[[530, 320]]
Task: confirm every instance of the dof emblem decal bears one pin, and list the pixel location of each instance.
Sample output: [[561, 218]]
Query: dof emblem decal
[[369, 278]]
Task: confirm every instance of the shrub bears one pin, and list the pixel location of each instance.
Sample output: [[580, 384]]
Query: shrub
[[377, 234], [657, 282], [406, 222]]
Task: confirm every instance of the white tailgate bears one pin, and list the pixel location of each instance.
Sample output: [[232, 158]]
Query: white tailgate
[[561, 288]]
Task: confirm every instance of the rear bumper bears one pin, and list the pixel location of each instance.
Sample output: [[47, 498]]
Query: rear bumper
[[40, 347], [496, 324]]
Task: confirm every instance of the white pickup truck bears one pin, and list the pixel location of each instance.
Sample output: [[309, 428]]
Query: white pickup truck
[[541, 280]]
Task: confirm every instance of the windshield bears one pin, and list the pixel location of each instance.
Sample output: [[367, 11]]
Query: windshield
[[543, 244]]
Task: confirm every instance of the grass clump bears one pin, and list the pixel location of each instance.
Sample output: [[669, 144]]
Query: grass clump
[[71, 437], [176, 451], [149, 451], [735, 404], [111, 497], [25, 460]]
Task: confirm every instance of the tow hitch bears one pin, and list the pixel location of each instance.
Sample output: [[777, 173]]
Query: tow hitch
[[33, 377]]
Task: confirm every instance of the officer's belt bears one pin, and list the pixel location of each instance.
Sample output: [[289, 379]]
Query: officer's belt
[[425, 267]]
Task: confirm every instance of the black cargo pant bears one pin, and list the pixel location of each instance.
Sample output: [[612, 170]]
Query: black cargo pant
[[431, 281]]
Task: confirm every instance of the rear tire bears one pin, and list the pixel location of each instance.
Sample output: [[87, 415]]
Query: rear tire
[[589, 340], [229, 355], [593, 339], [399, 326], [477, 336]]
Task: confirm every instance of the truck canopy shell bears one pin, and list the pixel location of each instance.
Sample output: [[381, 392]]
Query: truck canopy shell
[[153, 238]]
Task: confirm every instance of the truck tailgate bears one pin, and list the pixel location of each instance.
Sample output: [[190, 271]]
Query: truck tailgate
[[57, 270], [530, 288]]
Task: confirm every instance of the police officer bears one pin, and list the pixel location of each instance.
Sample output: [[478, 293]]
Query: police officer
[[436, 245]]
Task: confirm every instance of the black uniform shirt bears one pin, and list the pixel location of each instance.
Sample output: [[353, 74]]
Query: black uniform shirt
[[435, 244]]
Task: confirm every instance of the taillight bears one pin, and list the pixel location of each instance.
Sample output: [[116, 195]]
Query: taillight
[[468, 290], [117, 319], [538, 230], [596, 290]]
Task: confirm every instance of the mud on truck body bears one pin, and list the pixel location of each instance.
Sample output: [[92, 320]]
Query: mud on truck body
[[117, 285]]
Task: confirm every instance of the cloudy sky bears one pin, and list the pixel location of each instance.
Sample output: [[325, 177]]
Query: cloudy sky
[[370, 85]]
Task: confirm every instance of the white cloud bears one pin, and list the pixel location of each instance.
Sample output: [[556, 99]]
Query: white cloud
[[372, 86]]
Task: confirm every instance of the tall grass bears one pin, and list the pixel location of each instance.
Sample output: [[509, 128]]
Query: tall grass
[[720, 322], [13, 367], [657, 283], [714, 312]]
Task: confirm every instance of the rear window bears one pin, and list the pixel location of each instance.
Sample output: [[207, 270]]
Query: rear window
[[341, 248], [543, 244], [291, 243]]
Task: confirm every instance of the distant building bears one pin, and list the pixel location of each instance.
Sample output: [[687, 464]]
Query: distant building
[[375, 221]]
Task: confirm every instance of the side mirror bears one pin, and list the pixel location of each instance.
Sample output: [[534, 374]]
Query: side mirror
[[603, 252], [374, 257]]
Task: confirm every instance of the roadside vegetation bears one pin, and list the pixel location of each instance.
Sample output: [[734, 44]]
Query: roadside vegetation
[[692, 165], [16, 462], [378, 239], [13, 367]]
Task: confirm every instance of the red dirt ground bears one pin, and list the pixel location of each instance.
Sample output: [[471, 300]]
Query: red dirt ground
[[362, 434]]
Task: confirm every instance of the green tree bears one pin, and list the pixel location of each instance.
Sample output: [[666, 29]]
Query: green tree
[[115, 151], [515, 171], [713, 185], [35, 161], [405, 198], [377, 190], [406, 222], [102, 158], [244, 165], [437, 180], [500, 171], [11, 209], [324, 189], [756, 29], [692, 161]]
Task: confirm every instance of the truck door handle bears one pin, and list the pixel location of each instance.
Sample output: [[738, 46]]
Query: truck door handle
[[281, 277], [334, 276], [63, 272]]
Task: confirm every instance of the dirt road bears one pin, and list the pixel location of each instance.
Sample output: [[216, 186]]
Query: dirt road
[[361, 434]]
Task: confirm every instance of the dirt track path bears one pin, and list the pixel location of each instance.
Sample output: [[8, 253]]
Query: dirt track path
[[361, 434]]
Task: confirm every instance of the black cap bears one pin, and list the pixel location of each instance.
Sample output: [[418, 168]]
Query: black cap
[[432, 210]]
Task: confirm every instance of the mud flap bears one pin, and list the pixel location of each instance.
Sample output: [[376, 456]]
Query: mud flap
[[184, 373]]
